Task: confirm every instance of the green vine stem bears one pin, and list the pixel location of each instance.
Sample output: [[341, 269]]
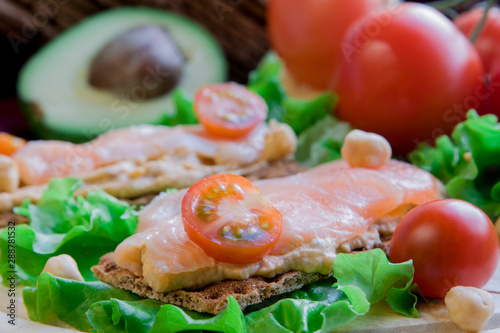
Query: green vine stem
[[480, 25]]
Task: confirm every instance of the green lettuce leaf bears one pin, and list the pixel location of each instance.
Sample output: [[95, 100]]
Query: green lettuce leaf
[[123, 316], [84, 228], [468, 162], [362, 279], [300, 114], [183, 111], [171, 318], [321, 142], [68, 300]]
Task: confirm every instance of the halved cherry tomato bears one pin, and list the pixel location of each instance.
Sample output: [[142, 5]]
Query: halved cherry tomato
[[228, 217], [9, 144], [229, 110], [452, 243]]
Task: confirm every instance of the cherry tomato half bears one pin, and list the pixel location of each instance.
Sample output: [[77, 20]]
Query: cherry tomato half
[[229, 110], [230, 220], [9, 144], [486, 44], [452, 243], [403, 72], [307, 34]]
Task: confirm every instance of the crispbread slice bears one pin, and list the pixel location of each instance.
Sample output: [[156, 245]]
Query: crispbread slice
[[212, 298]]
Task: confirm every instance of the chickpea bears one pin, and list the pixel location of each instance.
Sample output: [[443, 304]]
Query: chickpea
[[279, 142], [367, 150], [469, 307], [63, 266], [9, 174]]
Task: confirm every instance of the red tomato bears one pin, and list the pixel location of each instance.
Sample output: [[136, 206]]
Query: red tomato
[[403, 73], [9, 144], [229, 110], [490, 103], [487, 45], [452, 243], [489, 38], [307, 34], [230, 220]]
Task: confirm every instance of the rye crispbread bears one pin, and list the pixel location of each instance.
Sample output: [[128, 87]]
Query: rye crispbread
[[209, 299], [212, 298]]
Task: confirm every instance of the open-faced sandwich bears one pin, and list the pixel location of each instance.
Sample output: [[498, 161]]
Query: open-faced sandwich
[[147, 159], [226, 236]]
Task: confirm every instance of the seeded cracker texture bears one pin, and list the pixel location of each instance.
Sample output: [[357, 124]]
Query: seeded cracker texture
[[210, 299]]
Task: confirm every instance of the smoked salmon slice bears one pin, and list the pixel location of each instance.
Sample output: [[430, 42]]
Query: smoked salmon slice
[[322, 209], [40, 161]]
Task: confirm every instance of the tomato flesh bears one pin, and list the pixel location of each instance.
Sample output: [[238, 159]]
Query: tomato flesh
[[229, 110], [230, 220], [307, 34], [405, 72], [451, 242]]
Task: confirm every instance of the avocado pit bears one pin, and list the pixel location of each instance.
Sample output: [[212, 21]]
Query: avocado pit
[[142, 63]]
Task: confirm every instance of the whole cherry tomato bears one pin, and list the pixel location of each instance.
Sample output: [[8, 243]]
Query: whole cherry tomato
[[451, 242], [403, 73], [307, 34]]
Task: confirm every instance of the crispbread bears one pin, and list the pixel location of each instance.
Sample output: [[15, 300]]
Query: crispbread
[[212, 298]]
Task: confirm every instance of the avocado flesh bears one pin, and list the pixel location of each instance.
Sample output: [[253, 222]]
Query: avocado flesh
[[61, 104]]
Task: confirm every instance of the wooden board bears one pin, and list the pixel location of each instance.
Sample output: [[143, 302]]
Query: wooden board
[[381, 319]]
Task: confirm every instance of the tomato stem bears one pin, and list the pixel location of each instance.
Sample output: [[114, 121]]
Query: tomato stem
[[446, 4], [480, 25]]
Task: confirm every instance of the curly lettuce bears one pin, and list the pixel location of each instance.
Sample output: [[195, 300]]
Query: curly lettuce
[[360, 280], [85, 228], [467, 162]]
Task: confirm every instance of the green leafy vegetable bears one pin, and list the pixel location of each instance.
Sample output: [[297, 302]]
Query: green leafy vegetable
[[174, 319], [298, 113], [362, 279], [468, 162], [68, 300], [85, 228], [321, 142], [123, 316], [183, 111]]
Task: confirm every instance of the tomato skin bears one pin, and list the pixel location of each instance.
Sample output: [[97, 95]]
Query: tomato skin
[[246, 201], [307, 34], [489, 38], [404, 72], [487, 46], [229, 110], [452, 243]]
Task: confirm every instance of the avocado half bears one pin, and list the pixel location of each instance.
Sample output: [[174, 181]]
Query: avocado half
[[54, 87]]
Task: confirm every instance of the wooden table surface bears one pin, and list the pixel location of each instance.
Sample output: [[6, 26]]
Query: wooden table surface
[[433, 317]]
